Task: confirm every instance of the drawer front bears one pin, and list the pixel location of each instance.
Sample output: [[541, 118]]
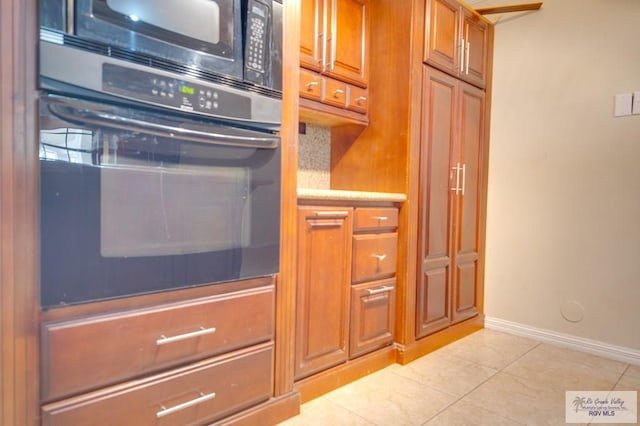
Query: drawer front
[[311, 85], [86, 354], [335, 93], [372, 219], [374, 256], [199, 393], [372, 316], [358, 99]]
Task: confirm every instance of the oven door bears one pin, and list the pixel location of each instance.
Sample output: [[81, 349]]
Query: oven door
[[133, 201], [205, 34]]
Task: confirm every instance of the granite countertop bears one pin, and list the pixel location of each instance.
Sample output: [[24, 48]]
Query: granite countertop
[[340, 195]]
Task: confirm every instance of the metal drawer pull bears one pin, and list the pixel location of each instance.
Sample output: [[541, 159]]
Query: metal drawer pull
[[379, 256], [337, 93], [360, 99], [340, 213], [383, 289], [202, 398], [163, 340], [381, 217], [311, 84]]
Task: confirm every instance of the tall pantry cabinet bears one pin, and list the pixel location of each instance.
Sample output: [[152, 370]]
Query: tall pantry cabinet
[[451, 178]]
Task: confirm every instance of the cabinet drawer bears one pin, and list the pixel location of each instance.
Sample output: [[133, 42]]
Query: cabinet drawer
[[374, 256], [358, 99], [372, 316], [311, 85], [85, 354], [199, 393], [371, 219], [335, 93]]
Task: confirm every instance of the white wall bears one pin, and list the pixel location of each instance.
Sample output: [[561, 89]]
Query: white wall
[[564, 176]]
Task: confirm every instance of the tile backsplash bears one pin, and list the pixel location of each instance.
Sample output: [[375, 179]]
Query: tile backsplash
[[314, 158]]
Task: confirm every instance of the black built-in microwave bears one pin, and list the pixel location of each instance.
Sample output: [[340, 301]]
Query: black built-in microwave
[[232, 42]]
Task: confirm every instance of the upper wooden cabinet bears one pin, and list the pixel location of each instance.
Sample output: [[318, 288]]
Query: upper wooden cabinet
[[334, 39], [456, 41]]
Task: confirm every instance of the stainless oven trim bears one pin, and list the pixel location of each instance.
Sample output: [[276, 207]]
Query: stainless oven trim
[[84, 112], [84, 69]]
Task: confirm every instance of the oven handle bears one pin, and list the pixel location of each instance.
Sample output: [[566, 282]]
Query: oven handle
[[66, 110]]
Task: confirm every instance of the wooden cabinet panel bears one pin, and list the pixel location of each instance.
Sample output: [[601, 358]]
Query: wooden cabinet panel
[[372, 316], [471, 136], [475, 33], [347, 41], [358, 99], [436, 202], [311, 34], [335, 93], [375, 219], [374, 256], [442, 36], [450, 190], [311, 85], [193, 395], [323, 295], [83, 354], [456, 41]]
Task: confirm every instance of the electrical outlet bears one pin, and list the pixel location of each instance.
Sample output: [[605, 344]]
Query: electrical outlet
[[635, 109], [623, 104]]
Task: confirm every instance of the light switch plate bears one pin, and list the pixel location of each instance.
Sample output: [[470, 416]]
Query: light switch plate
[[636, 103], [623, 104]]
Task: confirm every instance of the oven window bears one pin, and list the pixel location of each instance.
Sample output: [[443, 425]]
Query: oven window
[[125, 212]]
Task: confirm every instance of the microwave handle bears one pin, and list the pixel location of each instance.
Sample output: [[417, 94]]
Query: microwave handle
[[86, 115]]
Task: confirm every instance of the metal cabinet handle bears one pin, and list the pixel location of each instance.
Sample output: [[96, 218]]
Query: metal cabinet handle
[[340, 213], [467, 59], [311, 84], [462, 45], [202, 398], [383, 289], [163, 340], [457, 169], [337, 92], [360, 99], [464, 177], [380, 218], [379, 256]]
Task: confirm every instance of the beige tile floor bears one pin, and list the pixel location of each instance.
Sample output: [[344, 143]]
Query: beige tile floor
[[487, 378]]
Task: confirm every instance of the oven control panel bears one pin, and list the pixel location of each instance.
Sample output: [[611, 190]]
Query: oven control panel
[[174, 93]]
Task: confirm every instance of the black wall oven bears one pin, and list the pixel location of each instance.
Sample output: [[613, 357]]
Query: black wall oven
[[157, 171]]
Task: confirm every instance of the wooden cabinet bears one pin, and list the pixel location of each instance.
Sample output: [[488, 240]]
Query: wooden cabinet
[[323, 296], [346, 284], [450, 189], [333, 46], [186, 362], [375, 244], [456, 41]]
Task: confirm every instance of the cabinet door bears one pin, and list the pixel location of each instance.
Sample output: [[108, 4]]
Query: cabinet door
[[475, 33], [346, 41], [433, 310], [311, 33], [442, 35], [469, 149], [324, 272], [372, 316]]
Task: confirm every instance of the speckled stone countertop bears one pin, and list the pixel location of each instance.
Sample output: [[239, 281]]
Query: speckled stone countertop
[[340, 195]]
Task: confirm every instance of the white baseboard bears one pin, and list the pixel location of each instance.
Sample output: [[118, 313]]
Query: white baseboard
[[620, 353]]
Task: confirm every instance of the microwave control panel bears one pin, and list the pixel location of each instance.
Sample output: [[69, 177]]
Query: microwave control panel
[[256, 45], [174, 93]]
